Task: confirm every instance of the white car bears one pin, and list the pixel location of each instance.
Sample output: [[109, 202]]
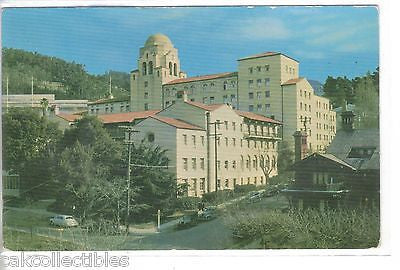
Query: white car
[[63, 221]]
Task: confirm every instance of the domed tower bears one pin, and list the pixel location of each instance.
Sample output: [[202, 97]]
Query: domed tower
[[158, 63]]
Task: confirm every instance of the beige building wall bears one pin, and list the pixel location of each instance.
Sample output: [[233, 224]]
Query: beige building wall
[[213, 91], [260, 80], [109, 107], [239, 151]]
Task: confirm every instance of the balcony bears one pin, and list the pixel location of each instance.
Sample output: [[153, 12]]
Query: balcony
[[263, 136]]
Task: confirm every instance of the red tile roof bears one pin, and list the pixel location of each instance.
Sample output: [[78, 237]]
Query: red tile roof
[[69, 117], [293, 81], [257, 117], [203, 106], [175, 122], [202, 78], [127, 117], [264, 54]]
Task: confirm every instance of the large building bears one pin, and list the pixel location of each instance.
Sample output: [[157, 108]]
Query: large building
[[244, 150], [266, 83]]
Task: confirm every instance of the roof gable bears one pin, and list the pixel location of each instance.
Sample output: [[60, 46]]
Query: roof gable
[[127, 117], [175, 122], [329, 159]]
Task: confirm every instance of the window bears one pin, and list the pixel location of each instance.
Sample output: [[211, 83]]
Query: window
[[185, 164], [175, 70], [225, 85], [146, 95], [250, 83], [146, 83], [205, 100], [267, 94], [267, 107], [259, 68], [194, 140], [184, 139], [234, 141], [211, 100], [250, 70], [218, 164], [202, 163], [170, 68], [361, 152], [251, 108], [202, 184], [226, 164], [233, 98], [150, 137], [226, 125], [258, 95], [258, 83], [150, 67], [226, 141], [194, 164], [167, 104], [226, 183], [267, 81], [234, 164], [259, 107], [251, 95], [233, 125], [202, 140], [225, 99], [266, 67], [309, 108], [144, 68], [309, 95], [301, 105], [218, 183], [146, 106]]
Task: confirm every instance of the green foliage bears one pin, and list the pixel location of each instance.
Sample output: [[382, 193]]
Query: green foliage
[[285, 156], [187, 203], [367, 103], [67, 80], [242, 189], [333, 228], [217, 197]]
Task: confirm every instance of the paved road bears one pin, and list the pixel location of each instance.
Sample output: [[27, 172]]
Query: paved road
[[212, 234]]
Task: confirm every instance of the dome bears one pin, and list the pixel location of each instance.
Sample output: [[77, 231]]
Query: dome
[[158, 39]]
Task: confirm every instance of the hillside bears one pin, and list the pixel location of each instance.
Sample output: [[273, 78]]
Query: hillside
[[51, 75]]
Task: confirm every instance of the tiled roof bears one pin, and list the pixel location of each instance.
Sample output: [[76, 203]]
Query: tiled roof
[[127, 117], [175, 122], [109, 100], [264, 54], [335, 159], [69, 117], [257, 117], [203, 106], [293, 81], [202, 78], [344, 141]]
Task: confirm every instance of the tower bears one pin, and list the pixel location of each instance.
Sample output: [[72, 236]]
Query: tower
[[158, 63]]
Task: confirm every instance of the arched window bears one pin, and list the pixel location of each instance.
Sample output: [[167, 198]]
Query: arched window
[[170, 68], [175, 70], [144, 68], [150, 67]]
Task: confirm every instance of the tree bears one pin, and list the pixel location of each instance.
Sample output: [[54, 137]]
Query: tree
[[44, 103], [26, 136], [367, 103]]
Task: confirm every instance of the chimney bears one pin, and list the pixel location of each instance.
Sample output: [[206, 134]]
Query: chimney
[[181, 95], [300, 145], [348, 120]]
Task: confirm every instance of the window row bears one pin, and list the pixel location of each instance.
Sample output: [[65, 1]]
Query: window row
[[260, 83], [325, 106], [305, 106], [290, 70], [264, 68], [259, 94], [256, 162], [260, 107], [306, 94]]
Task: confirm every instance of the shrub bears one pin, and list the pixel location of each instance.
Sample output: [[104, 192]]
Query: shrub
[[187, 203], [219, 196], [244, 188], [333, 228]]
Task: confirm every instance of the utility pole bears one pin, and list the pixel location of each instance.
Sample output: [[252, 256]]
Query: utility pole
[[109, 90], [7, 94], [216, 138], [129, 142], [32, 91]]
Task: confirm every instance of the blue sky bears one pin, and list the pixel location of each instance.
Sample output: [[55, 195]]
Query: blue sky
[[336, 41]]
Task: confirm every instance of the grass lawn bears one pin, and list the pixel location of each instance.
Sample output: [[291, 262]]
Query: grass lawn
[[22, 218], [21, 241]]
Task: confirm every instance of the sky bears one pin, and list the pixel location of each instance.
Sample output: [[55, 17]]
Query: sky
[[327, 41]]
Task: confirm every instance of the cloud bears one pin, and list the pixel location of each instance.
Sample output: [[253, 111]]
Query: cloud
[[309, 54], [262, 28]]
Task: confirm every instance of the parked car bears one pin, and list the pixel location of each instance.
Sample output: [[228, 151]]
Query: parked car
[[207, 213], [63, 221], [186, 221]]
